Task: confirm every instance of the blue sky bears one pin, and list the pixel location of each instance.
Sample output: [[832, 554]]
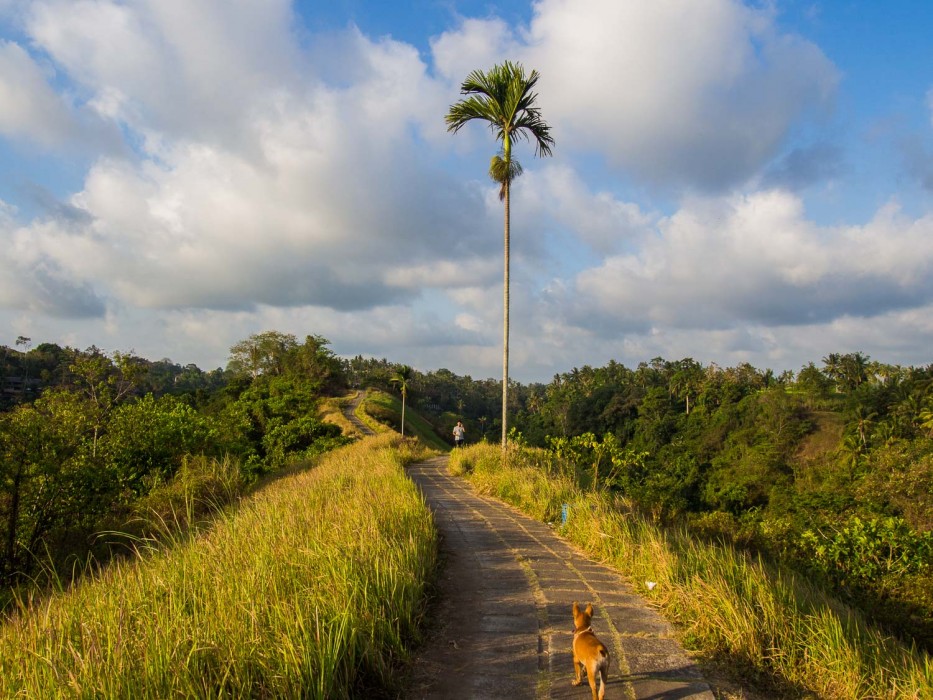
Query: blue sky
[[732, 182]]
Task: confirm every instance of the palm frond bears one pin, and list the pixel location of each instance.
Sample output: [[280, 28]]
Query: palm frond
[[504, 97]]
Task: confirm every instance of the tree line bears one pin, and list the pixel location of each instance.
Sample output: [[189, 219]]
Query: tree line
[[828, 469], [86, 435]]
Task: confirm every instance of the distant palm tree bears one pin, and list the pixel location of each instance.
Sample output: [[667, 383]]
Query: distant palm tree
[[926, 418], [401, 378], [863, 419], [503, 96]]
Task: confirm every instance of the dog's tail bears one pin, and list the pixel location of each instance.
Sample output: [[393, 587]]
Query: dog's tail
[[603, 671]]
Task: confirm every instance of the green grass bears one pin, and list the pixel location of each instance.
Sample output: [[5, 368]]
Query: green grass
[[313, 587], [765, 623], [363, 413], [332, 411], [383, 408]]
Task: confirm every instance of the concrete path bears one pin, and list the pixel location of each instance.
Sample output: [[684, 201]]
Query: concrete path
[[502, 625], [350, 412]]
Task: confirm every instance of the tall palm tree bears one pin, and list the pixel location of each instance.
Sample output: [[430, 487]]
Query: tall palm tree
[[401, 378], [504, 97]]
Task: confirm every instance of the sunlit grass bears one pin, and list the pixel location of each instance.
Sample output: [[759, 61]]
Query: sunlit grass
[[766, 621], [332, 411], [312, 588], [363, 413], [380, 407]]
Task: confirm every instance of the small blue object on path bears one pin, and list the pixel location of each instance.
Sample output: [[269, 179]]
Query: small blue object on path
[[564, 512]]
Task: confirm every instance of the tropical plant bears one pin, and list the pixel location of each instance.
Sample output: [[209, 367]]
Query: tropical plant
[[504, 97], [926, 418], [401, 379]]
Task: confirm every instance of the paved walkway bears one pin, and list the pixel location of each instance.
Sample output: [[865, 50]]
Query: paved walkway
[[350, 412], [502, 625]]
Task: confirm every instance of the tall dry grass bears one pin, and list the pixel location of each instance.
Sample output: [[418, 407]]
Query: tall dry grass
[[768, 622], [312, 588]]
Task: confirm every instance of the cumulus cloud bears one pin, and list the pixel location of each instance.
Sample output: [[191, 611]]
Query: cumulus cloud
[[215, 231], [755, 259], [556, 196], [701, 94], [185, 69], [31, 109], [475, 43], [309, 193], [33, 282]]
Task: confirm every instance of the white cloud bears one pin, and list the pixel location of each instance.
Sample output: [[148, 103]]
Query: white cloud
[[755, 259], [477, 43], [189, 69], [697, 93], [314, 207], [555, 194], [28, 106]]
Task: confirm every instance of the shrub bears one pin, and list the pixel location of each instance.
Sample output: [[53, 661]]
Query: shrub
[[868, 550]]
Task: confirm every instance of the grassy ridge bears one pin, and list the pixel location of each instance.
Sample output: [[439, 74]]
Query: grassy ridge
[[332, 411], [312, 588], [382, 408], [765, 621]]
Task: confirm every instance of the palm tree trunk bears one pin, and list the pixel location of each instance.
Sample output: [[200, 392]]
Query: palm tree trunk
[[505, 323]]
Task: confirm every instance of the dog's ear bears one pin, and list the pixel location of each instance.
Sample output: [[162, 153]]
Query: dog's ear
[[589, 609], [576, 609]]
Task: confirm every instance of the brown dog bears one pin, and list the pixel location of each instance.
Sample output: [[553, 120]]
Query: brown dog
[[588, 652]]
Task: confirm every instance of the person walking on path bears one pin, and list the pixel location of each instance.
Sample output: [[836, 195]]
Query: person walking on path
[[459, 434]]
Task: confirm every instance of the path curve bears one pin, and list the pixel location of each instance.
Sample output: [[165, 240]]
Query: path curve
[[503, 625], [350, 413]]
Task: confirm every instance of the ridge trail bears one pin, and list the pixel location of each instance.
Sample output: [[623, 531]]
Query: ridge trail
[[503, 626]]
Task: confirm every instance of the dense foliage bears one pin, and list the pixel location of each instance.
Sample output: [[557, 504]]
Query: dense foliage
[[86, 435], [828, 470]]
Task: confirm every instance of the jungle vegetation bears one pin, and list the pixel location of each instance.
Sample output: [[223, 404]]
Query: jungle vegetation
[[93, 442], [827, 471]]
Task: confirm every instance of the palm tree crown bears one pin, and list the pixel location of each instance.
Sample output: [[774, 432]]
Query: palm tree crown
[[503, 97]]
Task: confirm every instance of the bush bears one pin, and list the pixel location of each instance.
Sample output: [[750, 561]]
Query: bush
[[147, 440], [869, 550]]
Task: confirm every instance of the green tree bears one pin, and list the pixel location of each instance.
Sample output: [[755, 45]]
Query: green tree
[[926, 417], [44, 482], [504, 97], [401, 379], [105, 383], [262, 353], [687, 380], [863, 419], [315, 362], [147, 439]]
